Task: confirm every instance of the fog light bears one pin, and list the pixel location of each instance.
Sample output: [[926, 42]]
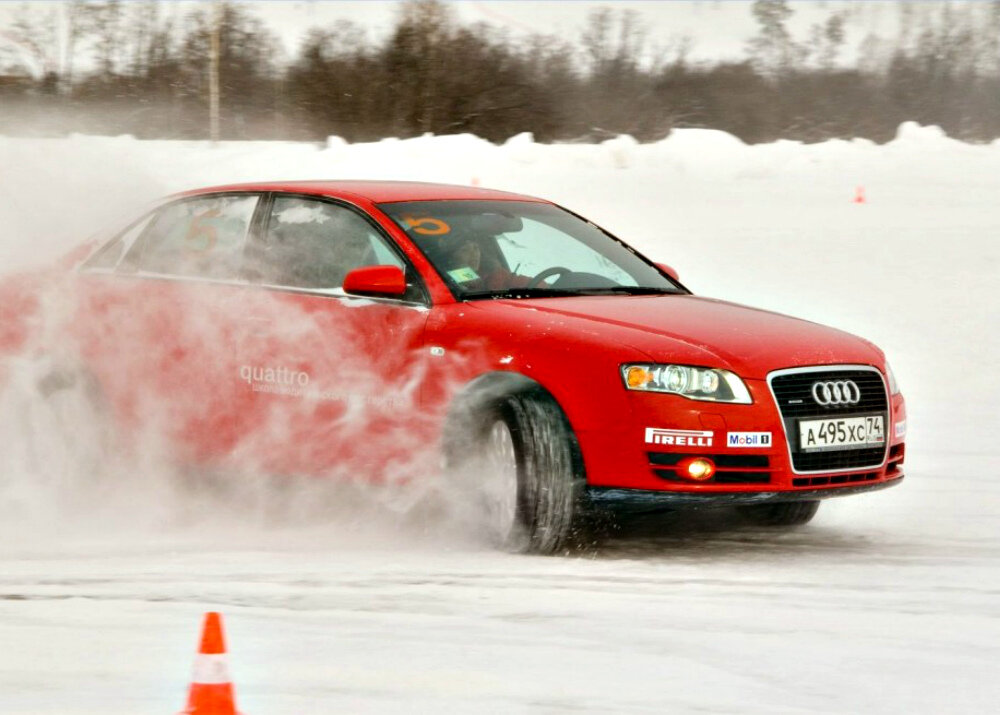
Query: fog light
[[698, 468]]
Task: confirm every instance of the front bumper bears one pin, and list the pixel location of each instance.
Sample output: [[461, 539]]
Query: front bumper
[[639, 500], [620, 457]]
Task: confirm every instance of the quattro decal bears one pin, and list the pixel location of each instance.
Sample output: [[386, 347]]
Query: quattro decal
[[286, 382], [748, 439], [679, 437]]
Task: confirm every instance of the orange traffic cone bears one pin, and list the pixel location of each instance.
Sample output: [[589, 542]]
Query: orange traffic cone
[[859, 195], [211, 689]]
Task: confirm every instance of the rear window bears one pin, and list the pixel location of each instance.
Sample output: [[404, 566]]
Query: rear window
[[107, 257], [202, 237]]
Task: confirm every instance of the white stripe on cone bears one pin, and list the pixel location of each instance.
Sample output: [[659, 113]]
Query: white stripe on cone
[[210, 669]]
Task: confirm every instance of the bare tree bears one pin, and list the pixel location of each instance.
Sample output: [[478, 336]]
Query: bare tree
[[33, 31], [105, 24], [772, 50], [136, 67], [416, 52]]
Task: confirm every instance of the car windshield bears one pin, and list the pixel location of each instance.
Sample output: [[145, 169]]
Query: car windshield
[[523, 249]]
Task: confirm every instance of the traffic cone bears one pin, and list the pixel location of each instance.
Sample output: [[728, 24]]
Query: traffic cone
[[859, 195], [211, 689]]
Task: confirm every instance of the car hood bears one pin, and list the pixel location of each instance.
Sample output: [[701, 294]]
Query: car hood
[[699, 331]]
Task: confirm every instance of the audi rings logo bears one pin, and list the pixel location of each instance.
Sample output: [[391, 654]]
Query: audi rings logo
[[836, 392]]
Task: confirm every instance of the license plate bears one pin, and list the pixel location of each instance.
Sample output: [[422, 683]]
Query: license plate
[[842, 433]]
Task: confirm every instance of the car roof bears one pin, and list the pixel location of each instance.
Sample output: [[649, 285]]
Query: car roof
[[374, 191]]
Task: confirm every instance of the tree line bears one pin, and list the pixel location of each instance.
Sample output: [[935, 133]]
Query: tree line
[[142, 68]]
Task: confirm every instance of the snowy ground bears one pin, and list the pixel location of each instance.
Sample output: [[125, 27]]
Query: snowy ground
[[885, 603]]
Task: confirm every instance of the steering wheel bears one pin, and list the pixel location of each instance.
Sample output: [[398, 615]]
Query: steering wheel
[[547, 273]]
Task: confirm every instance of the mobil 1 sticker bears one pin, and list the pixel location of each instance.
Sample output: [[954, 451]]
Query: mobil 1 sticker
[[748, 439]]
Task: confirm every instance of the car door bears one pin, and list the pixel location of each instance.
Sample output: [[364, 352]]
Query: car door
[[161, 310], [333, 379]]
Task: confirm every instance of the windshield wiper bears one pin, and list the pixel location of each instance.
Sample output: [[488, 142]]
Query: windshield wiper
[[521, 293], [628, 290]]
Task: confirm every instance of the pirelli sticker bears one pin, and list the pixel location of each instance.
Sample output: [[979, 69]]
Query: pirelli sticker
[[679, 437]]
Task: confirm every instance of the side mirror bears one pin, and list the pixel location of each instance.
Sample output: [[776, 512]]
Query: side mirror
[[669, 271], [376, 281]]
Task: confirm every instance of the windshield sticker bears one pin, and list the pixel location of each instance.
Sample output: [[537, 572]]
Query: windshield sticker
[[463, 275], [426, 226]]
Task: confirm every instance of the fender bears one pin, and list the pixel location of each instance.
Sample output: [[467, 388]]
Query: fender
[[463, 419]]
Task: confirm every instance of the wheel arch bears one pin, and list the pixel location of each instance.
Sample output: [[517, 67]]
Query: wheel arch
[[484, 393]]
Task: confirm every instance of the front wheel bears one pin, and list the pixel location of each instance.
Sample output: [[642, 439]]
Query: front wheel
[[532, 476], [794, 513]]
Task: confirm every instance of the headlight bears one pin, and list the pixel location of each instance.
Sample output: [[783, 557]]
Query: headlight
[[695, 383], [893, 385]]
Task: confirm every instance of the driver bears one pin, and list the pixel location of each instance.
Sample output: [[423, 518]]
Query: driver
[[468, 254], [490, 273]]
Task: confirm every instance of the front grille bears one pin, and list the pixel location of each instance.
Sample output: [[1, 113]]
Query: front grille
[[833, 461], [793, 393], [836, 479]]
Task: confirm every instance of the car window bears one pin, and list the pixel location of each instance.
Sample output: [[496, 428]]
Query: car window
[[314, 244], [108, 256], [201, 237], [523, 249]]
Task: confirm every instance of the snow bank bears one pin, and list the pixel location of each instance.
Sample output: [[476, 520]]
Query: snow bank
[[893, 593], [57, 190]]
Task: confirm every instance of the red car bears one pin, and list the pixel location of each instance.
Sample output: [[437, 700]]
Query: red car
[[365, 329]]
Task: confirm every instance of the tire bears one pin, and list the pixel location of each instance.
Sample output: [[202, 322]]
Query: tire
[[529, 472], [58, 426], [795, 513]]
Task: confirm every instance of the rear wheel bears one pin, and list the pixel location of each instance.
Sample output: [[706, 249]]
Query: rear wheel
[[59, 426], [793, 513]]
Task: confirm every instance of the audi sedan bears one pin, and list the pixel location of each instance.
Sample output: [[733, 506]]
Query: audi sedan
[[365, 330]]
